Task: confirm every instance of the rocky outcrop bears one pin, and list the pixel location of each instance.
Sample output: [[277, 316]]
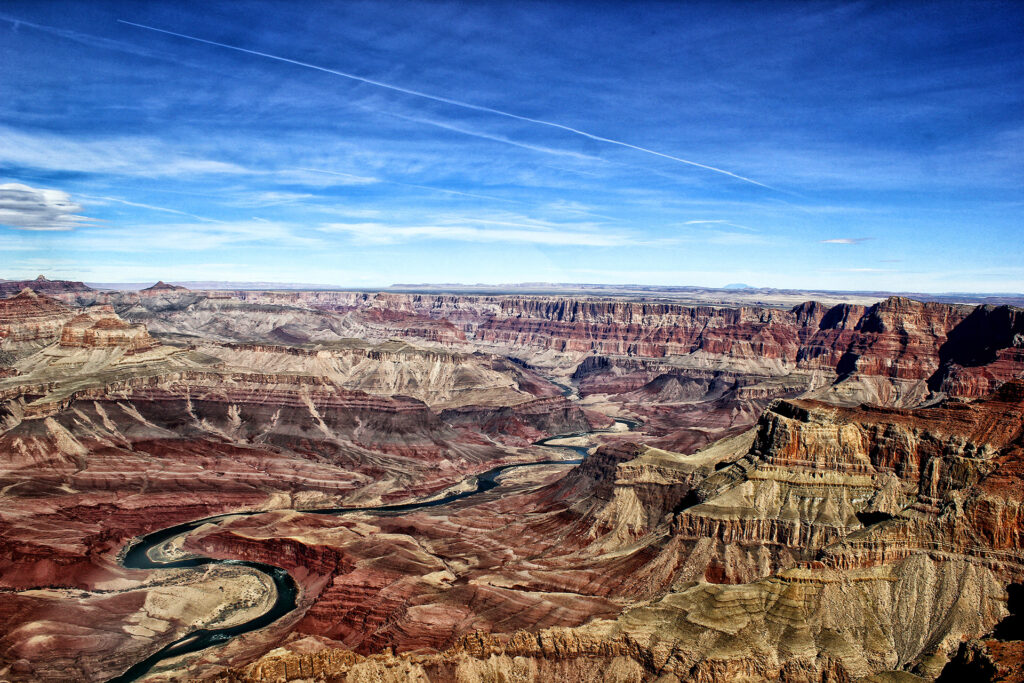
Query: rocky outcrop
[[856, 487], [799, 626], [100, 328], [986, 661], [981, 353], [883, 537]]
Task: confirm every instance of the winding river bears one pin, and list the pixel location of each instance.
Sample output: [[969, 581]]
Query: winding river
[[138, 555]]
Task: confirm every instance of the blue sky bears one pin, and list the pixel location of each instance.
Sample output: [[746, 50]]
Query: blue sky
[[812, 145]]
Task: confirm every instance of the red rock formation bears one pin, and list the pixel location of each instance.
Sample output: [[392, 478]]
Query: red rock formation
[[101, 328], [986, 661], [815, 469], [30, 318], [945, 481]]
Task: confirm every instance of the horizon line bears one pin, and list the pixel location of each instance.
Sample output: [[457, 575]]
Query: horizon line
[[257, 285]]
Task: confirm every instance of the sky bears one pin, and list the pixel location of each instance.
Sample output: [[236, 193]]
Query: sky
[[849, 146]]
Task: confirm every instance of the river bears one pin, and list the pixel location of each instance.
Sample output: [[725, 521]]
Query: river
[[138, 556]]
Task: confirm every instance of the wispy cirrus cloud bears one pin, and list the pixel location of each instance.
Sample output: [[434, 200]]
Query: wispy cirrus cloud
[[30, 208], [127, 156], [353, 179], [79, 37], [510, 230], [464, 130], [846, 240], [169, 238], [271, 198], [720, 222], [7, 244]]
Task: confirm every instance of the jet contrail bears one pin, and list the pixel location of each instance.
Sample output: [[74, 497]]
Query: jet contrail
[[454, 103], [151, 207]]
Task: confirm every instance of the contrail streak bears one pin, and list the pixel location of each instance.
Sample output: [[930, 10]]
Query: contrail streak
[[151, 207], [454, 103]]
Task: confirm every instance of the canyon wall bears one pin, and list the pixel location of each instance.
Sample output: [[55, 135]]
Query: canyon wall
[[759, 522]]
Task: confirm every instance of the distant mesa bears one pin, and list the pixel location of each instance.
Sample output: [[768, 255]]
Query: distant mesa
[[41, 285], [737, 285], [162, 286]]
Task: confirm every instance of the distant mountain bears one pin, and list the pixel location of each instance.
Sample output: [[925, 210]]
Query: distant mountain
[[162, 286], [737, 285], [214, 284], [42, 286]]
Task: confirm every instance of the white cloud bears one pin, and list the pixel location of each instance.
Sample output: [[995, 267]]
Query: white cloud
[[845, 240], [721, 222], [191, 237], [527, 232], [29, 208], [315, 176], [119, 156], [271, 198], [350, 179]]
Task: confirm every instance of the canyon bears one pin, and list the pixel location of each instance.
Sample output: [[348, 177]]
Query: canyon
[[825, 491]]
